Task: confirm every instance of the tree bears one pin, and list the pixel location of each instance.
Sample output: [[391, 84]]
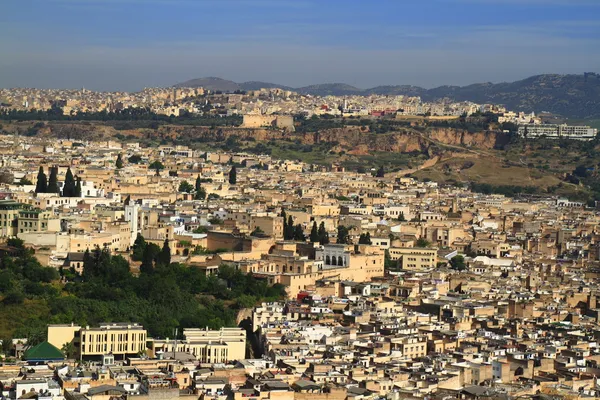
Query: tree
[[314, 233], [342, 235], [134, 159], [119, 162], [53, 181], [24, 181], [139, 247], [200, 191], [7, 346], [41, 185], [157, 166], [186, 187], [164, 257], [401, 217], [422, 242], [458, 263], [69, 188], [257, 232], [365, 238], [288, 229], [388, 263], [323, 236], [151, 252], [299, 233], [380, 172], [233, 176], [69, 350]]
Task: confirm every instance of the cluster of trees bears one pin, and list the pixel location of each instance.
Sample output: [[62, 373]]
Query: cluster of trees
[[197, 189], [291, 231], [507, 190], [365, 238], [129, 118], [319, 234], [163, 297], [343, 235], [71, 187], [150, 254]]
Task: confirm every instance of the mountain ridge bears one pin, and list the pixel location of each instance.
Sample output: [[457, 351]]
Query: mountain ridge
[[570, 95]]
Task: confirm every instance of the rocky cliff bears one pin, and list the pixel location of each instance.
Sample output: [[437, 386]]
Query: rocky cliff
[[352, 139]]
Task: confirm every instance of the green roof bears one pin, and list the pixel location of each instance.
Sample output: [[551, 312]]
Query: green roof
[[43, 352]]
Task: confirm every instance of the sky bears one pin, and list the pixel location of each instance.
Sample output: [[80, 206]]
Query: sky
[[132, 44]]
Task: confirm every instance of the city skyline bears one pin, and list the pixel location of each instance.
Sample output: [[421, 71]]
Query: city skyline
[[128, 45]]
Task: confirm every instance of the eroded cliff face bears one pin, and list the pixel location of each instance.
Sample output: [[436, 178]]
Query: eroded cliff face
[[352, 139], [457, 137]]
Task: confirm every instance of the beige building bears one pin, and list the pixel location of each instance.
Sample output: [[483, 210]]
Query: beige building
[[9, 213], [270, 225], [36, 220], [414, 258], [114, 338], [208, 346]]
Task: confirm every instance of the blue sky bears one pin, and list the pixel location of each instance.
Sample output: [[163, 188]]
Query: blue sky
[[130, 44]]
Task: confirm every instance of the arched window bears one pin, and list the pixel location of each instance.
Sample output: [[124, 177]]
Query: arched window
[[333, 261], [327, 260], [340, 260]]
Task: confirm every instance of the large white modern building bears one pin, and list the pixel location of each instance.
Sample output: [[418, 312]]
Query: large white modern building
[[551, 131]]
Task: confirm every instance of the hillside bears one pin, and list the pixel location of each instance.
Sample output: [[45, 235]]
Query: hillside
[[572, 96], [468, 153]]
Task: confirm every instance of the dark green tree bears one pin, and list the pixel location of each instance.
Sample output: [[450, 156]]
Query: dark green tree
[[151, 252], [186, 187], [342, 236], [233, 176], [119, 162], [388, 263], [380, 172], [157, 166], [164, 257], [139, 247], [41, 185], [200, 191], [53, 181], [299, 233], [314, 233], [401, 217], [365, 238], [323, 236], [134, 159], [288, 233], [458, 263], [24, 181], [69, 188]]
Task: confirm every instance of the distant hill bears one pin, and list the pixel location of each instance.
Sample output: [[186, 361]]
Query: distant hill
[[330, 89], [211, 83], [257, 85], [572, 96]]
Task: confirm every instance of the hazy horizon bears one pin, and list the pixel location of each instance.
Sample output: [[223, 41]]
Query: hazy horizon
[[126, 45]]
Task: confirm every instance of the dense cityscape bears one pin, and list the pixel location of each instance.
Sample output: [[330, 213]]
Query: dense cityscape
[[387, 201]]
